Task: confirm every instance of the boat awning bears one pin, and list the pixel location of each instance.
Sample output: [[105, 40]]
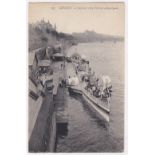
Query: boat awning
[[106, 81], [74, 81], [83, 57]]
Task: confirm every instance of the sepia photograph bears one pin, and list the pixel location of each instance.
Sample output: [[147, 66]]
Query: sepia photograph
[[76, 77]]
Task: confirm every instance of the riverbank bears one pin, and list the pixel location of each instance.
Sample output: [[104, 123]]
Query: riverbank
[[39, 138], [42, 114]]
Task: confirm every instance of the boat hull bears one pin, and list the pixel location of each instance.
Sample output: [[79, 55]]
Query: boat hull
[[74, 91], [101, 111]]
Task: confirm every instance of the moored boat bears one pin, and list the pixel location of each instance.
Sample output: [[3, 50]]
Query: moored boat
[[95, 91], [100, 107]]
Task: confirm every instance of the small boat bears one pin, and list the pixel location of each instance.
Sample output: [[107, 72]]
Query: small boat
[[100, 107]]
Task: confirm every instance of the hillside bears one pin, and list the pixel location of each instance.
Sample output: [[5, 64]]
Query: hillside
[[91, 36], [42, 34]]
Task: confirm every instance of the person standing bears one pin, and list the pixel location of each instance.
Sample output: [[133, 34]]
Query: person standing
[[69, 80]]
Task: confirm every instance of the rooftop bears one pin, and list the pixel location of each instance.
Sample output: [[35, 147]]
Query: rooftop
[[31, 58], [44, 63], [58, 55]]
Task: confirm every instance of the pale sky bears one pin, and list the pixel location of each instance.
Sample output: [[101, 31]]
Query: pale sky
[[105, 18]]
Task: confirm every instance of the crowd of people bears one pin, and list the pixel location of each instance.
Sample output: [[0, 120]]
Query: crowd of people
[[94, 86], [99, 88]]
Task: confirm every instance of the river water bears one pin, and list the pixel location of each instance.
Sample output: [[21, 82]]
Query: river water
[[85, 132]]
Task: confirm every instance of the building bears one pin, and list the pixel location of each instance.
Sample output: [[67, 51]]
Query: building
[[44, 66], [41, 53], [32, 60], [49, 52], [57, 48]]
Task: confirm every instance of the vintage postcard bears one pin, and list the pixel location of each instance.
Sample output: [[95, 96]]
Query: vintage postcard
[[76, 77]]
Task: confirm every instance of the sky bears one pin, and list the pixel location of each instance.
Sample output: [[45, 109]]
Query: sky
[[104, 18]]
